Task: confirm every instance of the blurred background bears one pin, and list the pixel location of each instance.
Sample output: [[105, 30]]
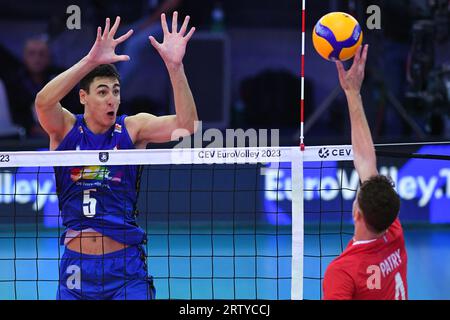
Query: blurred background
[[243, 65]]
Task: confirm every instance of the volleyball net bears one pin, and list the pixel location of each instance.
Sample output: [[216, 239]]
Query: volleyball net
[[232, 223]]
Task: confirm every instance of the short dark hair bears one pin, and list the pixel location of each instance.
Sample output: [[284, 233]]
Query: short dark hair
[[379, 203], [103, 70]]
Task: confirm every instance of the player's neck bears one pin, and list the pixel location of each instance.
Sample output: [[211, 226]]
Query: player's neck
[[363, 234], [93, 126]]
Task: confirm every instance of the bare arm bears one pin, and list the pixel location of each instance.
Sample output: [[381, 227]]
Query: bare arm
[[148, 128], [55, 119], [363, 150]]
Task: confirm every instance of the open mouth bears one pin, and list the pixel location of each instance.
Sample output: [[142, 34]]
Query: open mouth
[[111, 113]]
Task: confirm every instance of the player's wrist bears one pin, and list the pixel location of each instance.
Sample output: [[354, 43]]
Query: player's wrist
[[352, 93], [175, 67], [89, 62]]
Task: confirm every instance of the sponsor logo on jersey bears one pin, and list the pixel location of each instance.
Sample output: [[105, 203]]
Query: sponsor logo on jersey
[[98, 173]]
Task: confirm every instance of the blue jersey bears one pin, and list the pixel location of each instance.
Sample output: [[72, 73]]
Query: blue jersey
[[100, 197]]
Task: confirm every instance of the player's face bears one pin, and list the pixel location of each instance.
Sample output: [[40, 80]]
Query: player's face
[[36, 56], [103, 100]]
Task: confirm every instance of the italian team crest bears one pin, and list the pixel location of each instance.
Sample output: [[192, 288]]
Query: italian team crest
[[103, 156], [118, 128]]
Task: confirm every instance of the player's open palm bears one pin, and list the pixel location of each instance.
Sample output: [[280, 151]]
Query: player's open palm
[[352, 79], [103, 50], [173, 47]]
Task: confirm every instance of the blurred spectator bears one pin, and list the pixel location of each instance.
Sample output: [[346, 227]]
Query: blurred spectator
[[10, 63], [270, 100], [145, 61], [387, 66], [145, 66], [28, 80], [7, 128]]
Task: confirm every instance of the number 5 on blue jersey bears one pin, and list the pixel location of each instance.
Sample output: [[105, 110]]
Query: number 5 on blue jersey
[[89, 204]]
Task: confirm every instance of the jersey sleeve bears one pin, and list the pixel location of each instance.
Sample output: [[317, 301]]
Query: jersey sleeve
[[337, 284], [396, 229]]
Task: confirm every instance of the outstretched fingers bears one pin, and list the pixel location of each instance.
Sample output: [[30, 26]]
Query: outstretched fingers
[[184, 26], [124, 37], [357, 57], [106, 30], [155, 43], [123, 57], [341, 71], [114, 28], [99, 34], [189, 35], [164, 24], [364, 55], [175, 22]]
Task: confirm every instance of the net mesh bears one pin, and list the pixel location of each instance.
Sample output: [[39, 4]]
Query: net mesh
[[217, 228], [211, 222], [329, 190]]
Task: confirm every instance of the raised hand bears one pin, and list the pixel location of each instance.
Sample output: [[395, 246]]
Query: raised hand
[[352, 79], [103, 50], [173, 47]]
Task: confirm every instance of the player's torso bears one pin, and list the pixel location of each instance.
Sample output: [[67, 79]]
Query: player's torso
[[379, 269], [101, 196]]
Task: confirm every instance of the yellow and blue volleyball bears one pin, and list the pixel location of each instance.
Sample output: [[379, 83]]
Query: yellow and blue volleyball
[[337, 36]]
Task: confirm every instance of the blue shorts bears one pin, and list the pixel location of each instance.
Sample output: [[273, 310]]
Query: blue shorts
[[120, 275]]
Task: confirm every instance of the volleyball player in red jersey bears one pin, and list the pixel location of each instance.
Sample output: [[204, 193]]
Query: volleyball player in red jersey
[[373, 266]]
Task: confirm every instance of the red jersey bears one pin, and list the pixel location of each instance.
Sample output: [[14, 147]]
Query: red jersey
[[372, 270]]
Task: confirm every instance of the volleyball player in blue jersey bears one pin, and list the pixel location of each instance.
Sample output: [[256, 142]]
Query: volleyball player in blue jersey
[[104, 256]]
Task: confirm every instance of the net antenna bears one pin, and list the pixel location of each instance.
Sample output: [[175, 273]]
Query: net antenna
[[302, 75], [298, 187]]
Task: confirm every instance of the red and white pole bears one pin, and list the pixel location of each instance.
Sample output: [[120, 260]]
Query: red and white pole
[[302, 75]]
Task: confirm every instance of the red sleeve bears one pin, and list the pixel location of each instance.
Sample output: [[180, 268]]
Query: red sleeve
[[337, 284], [396, 228]]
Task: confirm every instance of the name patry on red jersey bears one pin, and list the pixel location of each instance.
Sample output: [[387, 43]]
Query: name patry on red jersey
[[374, 269]]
